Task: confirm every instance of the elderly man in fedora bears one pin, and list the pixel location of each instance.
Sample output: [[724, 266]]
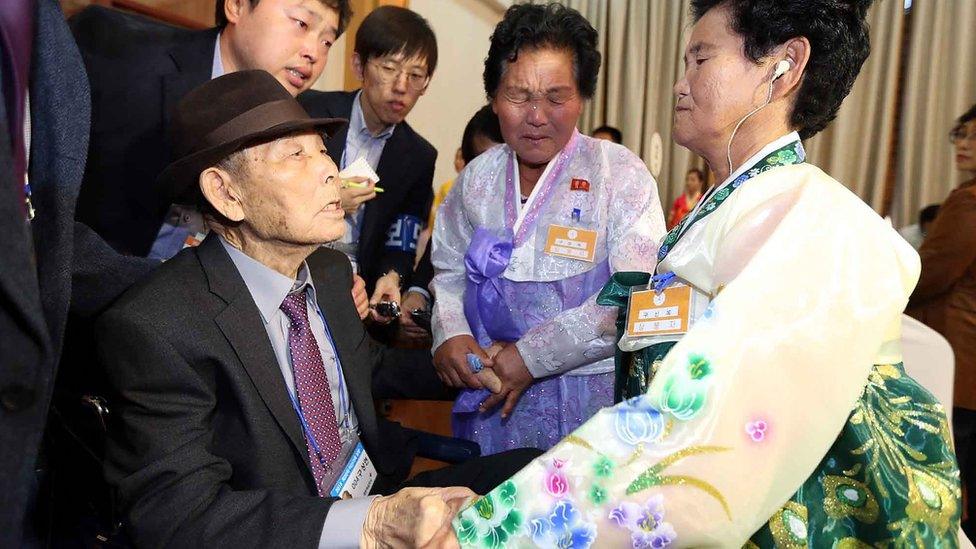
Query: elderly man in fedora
[[240, 368]]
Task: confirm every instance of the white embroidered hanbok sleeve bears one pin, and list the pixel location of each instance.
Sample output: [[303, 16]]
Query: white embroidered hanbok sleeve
[[450, 240], [744, 407], [587, 333]]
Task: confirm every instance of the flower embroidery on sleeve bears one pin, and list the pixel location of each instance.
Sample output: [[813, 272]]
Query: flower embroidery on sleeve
[[637, 421], [683, 393], [492, 520], [646, 523], [556, 483], [563, 527], [756, 430]]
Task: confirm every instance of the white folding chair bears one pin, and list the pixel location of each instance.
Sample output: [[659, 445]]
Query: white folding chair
[[928, 358]]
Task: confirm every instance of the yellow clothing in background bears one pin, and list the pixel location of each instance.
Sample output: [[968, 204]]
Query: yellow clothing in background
[[439, 197]]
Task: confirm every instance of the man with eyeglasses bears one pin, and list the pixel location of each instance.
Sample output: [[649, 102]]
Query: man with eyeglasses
[[395, 56]]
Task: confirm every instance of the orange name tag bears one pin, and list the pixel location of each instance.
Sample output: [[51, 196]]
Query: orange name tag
[[571, 242], [665, 313]]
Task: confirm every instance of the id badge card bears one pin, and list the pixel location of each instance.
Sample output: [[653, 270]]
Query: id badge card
[[671, 312], [357, 475], [571, 242]]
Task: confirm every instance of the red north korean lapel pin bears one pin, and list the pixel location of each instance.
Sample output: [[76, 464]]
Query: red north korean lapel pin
[[579, 185]]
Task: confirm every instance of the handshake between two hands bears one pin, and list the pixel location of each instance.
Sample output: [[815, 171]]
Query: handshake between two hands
[[460, 362], [421, 517], [414, 517]]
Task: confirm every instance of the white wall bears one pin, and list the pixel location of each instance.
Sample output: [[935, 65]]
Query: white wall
[[331, 78], [456, 91]]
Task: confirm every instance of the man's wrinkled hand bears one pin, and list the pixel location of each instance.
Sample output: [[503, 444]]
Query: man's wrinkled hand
[[414, 517]]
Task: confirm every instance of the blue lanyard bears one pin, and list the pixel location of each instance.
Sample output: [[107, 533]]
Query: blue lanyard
[[308, 432], [343, 392]]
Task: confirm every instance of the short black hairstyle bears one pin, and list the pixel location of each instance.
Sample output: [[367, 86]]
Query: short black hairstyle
[[484, 122], [928, 214], [839, 44], [614, 133], [391, 30], [340, 6], [699, 173], [533, 26], [966, 117]]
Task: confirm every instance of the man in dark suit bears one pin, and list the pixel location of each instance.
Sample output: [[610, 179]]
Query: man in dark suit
[[395, 56], [140, 69], [48, 264], [241, 370]]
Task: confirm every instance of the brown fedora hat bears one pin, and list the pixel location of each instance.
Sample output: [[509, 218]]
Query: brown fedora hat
[[224, 115]]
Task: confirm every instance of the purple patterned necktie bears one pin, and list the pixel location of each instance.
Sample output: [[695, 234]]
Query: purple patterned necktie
[[16, 35], [312, 387]]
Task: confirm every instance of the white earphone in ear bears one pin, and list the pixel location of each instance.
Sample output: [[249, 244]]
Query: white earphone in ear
[[781, 68]]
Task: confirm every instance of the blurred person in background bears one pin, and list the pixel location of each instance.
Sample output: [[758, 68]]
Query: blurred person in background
[[915, 233], [694, 184], [609, 133], [480, 134], [945, 298]]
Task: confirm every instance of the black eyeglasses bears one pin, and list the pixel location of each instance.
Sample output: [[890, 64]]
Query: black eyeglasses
[[390, 72]]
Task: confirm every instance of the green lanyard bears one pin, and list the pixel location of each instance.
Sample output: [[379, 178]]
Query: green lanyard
[[789, 154]]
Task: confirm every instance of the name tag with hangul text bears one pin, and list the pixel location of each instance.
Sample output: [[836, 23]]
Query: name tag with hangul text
[[669, 312], [571, 242]]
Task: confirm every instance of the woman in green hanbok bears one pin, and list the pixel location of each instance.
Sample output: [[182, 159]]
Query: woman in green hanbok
[[781, 416]]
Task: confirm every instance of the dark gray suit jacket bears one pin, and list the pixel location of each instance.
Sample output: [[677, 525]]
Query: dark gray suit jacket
[[208, 450], [72, 263]]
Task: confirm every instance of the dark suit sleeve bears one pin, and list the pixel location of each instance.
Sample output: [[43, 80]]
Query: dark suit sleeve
[[318, 104], [424, 272], [174, 491], [417, 204], [949, 248], [100, 274]]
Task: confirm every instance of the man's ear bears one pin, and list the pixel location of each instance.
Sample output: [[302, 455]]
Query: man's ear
[[235, 9], [358, 67], [221, 191]]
